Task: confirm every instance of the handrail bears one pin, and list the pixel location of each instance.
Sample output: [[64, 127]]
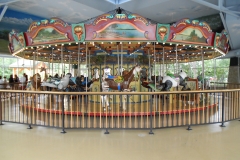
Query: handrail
[[225, 83], [119, 93]]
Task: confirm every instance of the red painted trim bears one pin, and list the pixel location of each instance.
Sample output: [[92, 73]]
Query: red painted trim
[[123, 114]]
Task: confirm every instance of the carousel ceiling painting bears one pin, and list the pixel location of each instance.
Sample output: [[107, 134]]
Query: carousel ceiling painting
[[120, 27], [17, 21], [118, 32]]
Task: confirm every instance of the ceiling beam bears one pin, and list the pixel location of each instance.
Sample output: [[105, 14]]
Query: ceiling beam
[[3, 12], [218, 7]]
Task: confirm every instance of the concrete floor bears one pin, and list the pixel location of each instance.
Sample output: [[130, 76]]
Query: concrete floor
[[204, 142]]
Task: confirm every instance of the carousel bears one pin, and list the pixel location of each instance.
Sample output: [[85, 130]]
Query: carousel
[[121, 52]]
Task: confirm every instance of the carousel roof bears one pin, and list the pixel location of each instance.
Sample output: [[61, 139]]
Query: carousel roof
[[118, 32]]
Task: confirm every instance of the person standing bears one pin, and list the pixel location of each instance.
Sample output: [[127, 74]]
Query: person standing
[[23, 81], [1, 83], [11, 81], [5, 82], [16, 79]]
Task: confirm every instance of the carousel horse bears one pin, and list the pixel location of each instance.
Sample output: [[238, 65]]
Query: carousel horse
[[104, 98], [61, 84], [43, 69], [122, 82], [35, 83], [96, 74], [79, 84], [168, 82], [143, 75], [206, 82]]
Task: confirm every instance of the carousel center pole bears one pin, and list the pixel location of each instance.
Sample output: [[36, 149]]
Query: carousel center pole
[[176, 65], [52, 61], [78, 74], [121, 59], [69, 62], [118, 60], [214, 69], [202, 68], [89, 66], [154, 47], [163, 61], [86, 61], [35, 68], [149, 67], [62, 61]]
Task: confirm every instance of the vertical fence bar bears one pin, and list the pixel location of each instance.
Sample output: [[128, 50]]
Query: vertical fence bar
[[63, 129], [189, 113], [222, 125], [151, 116], [238, 105], [29, 114]]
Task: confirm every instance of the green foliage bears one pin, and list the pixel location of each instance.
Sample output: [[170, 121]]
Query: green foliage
[[4, 66], [215, 70], [4, 34], [4, 46]]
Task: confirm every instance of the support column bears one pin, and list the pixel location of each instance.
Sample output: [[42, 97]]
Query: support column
[[3, 12], [233, 73]]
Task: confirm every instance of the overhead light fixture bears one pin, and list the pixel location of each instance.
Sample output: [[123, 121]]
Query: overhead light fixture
[[118, 1]]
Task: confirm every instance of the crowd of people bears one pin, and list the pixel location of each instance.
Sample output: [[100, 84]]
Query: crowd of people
[[15, 82], [9, 83]]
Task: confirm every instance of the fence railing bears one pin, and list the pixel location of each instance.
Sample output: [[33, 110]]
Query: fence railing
[[223, 85], [119, 110]]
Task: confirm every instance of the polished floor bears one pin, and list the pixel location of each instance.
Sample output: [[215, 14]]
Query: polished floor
[[204, 142]]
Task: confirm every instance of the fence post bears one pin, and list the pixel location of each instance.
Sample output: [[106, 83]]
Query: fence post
[[151, 117], [222, 125], [189, 113], [63, 129], [1, 109], [29, 125]]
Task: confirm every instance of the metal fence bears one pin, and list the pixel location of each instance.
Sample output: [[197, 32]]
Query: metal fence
[[223, 85], [119, 110]]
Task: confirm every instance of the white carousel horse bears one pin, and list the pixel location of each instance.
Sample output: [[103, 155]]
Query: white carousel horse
[[104, 98], [107, 72], [96, 74], [59, 84], [169, 82]]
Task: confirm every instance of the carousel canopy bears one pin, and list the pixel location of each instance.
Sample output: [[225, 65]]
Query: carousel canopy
[[118, 32]]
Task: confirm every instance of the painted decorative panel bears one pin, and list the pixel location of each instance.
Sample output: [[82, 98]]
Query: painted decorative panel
[[16, 41], [191, 32], [78, 31], [49, 31], [221, 41], [162, 32], [120, 27]]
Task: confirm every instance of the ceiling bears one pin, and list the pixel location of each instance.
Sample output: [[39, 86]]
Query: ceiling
[[73, 11], [161, 11]]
